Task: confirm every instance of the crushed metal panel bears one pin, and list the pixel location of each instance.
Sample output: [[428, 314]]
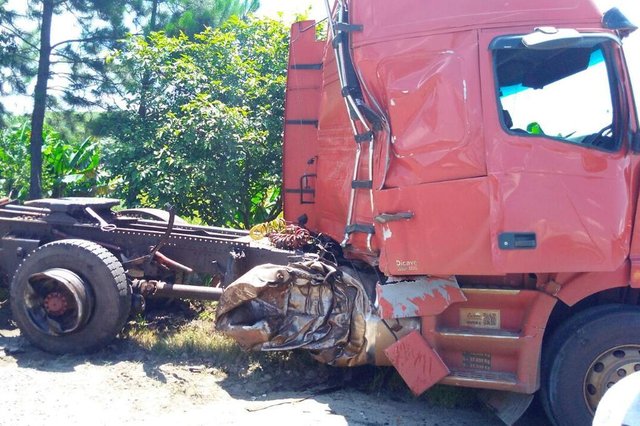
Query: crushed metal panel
[[308, 305], [418, 364], [417, 297]]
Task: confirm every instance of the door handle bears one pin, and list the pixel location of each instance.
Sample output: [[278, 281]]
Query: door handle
[[392, 217], [517, 241]]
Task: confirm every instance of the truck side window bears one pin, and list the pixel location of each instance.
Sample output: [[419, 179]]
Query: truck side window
[[562, 94]]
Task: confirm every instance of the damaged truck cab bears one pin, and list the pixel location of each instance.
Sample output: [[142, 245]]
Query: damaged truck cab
[[482, 157], [461, 185]]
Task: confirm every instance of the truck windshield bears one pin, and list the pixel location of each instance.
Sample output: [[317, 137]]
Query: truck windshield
[[559, 93]]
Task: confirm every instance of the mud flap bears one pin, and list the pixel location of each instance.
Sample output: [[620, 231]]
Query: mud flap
[[309, 305], [507, 406], [414, 297], [418, 364]]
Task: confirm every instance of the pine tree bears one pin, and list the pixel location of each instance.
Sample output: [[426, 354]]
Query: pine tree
[[101, 24]]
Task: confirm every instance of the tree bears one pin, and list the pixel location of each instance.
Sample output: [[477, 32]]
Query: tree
[[101, 27], [15, 60], [78, 54], [76, 64], [211, 140], [188, 17], [191, 16]]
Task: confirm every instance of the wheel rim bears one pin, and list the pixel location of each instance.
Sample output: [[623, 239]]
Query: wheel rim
[[607, 369], [58, 301]]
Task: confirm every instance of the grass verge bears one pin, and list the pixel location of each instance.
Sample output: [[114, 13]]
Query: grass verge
[[188, 333]]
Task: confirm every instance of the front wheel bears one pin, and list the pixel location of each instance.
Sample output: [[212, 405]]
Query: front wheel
[[595, 353], [70, 296]]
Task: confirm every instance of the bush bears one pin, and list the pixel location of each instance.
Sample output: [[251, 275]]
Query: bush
[[69, 168]]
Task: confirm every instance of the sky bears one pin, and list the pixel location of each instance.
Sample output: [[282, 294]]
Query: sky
[[290, 8], [287, 9]]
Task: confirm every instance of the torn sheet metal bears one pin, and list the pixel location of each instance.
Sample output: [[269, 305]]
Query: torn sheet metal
[[417, 297], [307, 305]]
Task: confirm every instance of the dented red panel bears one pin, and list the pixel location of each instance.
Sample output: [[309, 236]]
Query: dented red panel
[[429, 87], [418, 364], [449, 233], [574, 287], [419, 297], [335, 166]]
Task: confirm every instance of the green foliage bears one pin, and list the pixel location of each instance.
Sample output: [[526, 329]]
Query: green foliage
[[69, 168], [194, 16], [76, 62], [210, 139], [16, 61], [14, 164]]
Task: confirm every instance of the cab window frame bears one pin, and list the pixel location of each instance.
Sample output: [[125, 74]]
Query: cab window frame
[[514, 41]]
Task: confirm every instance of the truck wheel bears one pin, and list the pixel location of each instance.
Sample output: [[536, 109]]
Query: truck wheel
[[585, 357], [70, 296], [556, 340]]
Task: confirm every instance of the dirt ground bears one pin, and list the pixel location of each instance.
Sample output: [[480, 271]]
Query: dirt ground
[[125, 384]]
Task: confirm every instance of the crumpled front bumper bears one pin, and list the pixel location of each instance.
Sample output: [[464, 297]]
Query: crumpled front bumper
[[309, 305], [313, 305]]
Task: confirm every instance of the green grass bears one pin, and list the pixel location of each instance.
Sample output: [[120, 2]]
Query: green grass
[[177, 336], [196, 338]]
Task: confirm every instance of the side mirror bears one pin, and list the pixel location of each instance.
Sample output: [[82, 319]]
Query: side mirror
[[614, 19]]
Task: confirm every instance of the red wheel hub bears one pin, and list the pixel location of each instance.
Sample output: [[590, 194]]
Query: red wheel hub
[[55, 303]]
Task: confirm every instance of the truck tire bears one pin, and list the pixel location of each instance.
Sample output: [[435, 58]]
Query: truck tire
[[585, 357], [556, 340], [70, 296]]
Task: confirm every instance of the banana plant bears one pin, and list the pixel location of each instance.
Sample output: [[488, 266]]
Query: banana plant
[[69, 168]]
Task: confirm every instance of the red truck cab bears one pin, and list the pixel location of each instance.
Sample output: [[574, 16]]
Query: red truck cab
[[496, 143]]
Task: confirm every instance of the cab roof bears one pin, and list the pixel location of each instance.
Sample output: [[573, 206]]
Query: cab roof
[[390, 19]]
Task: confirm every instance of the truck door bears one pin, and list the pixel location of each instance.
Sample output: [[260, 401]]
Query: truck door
[[556, 135]]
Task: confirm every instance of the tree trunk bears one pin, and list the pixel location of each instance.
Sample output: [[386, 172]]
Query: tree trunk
[[146, 78], [40, 101]]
